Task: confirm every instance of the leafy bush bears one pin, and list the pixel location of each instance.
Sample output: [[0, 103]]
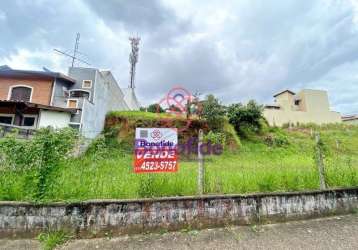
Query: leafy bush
[[175, 109], [38, 157], [215, 138], [213, 112], [104, 146], [155, 108], [276, 140], [245, 118]]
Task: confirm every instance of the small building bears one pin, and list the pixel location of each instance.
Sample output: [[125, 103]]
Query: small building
[[26, 99], [307, 106], [95, 93], [34, 99], [350, 120], [131, 99]]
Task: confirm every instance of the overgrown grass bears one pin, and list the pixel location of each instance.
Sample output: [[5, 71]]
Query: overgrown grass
[[105, 172], [141, 115]]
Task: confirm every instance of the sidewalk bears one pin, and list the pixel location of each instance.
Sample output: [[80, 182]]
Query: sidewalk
[[340, 232]]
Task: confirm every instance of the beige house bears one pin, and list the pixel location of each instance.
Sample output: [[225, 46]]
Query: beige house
[[351, 120], [307, 106]]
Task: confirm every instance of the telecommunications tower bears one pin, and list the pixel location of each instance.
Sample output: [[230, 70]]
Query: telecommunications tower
[[133, 59]]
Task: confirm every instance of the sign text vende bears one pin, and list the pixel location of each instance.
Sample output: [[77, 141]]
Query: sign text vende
[[155, 150]]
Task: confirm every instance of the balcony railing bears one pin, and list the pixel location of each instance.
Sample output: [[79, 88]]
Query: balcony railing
[[19, 131]]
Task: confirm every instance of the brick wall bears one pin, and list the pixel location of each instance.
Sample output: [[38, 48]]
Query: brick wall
[[42, 89]]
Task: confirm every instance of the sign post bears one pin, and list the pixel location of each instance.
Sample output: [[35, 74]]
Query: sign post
[[320, 164], [200, 164], [155, 150]]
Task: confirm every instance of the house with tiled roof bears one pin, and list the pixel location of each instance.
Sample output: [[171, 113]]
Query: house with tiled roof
[[34, 99]]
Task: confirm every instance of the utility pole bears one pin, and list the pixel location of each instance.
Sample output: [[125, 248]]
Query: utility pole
[[133, 59], [74, 56]]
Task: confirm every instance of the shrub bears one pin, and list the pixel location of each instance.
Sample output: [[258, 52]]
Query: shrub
[[104, 147], [276, 140], [215, 137], [37, 157], [245, 118], [155, 108], [213, 112], [175, 109]]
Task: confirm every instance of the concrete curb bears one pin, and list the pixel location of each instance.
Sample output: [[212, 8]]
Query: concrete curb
[[96, 217]]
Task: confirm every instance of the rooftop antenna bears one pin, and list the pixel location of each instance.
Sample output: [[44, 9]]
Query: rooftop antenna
[[133, 59], [75, 52]]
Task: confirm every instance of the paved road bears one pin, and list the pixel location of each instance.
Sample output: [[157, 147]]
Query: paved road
[[339, 232]]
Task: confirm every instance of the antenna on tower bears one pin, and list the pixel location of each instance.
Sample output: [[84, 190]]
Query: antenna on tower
[[75, 52], [133, 59]]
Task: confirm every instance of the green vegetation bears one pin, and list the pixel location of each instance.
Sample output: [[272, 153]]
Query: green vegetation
[[274, 159], [214, 113], [136, 115], [52, 239], [34, 161], [245, 118], [155, 108]]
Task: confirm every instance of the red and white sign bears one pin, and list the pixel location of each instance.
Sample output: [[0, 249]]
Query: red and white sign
[[155, 150]]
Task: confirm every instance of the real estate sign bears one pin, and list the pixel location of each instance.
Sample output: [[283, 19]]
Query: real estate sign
[[155, 150]]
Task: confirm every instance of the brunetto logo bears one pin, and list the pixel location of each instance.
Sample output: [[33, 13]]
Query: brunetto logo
[[176, 102], [156, 135]]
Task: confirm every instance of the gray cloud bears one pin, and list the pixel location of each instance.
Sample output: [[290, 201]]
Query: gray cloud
[[238, 50], [140, 15]]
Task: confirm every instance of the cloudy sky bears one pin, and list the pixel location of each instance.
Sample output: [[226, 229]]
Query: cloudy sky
[[238, 49]]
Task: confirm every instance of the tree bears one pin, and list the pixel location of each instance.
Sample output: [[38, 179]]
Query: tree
[[213, 112], [175, 109], [155, 108], [244, 117]]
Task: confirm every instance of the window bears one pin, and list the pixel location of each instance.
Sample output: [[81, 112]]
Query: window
[[297, 102], [87, 84], [76, 126], [6, 119], [29, 120], [20, 93], [80, 93], [72, 103], [272, 107]]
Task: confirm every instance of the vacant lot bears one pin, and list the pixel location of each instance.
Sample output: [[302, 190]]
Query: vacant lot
[[260, 164]]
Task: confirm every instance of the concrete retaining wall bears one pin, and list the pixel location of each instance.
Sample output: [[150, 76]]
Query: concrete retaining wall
[[18, 219]]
